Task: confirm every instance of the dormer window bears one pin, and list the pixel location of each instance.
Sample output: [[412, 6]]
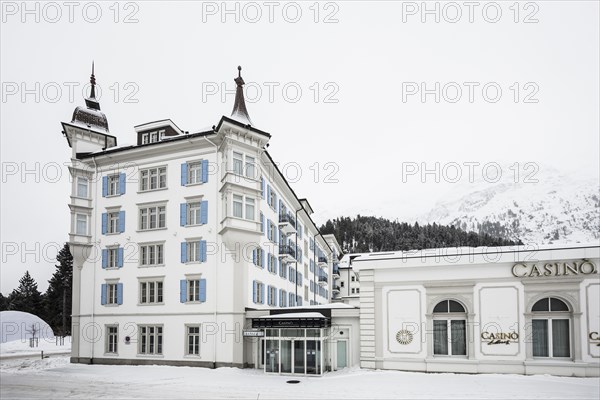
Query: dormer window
[[153, 137]]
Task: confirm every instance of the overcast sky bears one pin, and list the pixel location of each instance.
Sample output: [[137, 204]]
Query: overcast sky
[[338, 84]]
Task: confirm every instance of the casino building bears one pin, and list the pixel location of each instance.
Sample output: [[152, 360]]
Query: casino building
[[520, 310]]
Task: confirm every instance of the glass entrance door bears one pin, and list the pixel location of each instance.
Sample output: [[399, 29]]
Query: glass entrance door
[[298, 356], [342, 360], [313, 357], [286, 356]]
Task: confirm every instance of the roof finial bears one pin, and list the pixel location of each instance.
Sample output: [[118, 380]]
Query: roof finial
[[239, 107], [93, 83]]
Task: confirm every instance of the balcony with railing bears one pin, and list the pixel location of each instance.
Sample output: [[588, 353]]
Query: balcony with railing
[[322, 260], [336, 270], [287, 253], [335, 288], [287, 223], [323, 279]]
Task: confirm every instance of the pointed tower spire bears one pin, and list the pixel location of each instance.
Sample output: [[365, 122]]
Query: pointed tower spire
[[240, 113], [93, 82], [91, 101]]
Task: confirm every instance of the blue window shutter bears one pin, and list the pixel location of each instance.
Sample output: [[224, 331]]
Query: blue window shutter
[[204, 171], [269, 195], [104, 258], [275, 299], [262, 223], [183, 214], [204, 212], [122, 178], [262, 290], [203, 251], [280, 294], [268, 229], [279, 208], [104, 223], [269, 261], [119, 293], [275, 269], [103, 294], [184, 252], [269, 295], [182, 290], [184, 174], [121, 223], [120, 257], [254, 256], [104, 186], [202, 290], [262, 258], [262, 186], [254, 292]]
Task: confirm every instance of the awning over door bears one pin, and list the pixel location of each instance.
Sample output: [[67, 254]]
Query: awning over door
[[292, 320]]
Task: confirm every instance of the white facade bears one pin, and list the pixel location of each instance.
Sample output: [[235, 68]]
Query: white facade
[[176, 237], [476, 310]]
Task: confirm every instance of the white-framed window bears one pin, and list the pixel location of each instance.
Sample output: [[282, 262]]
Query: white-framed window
[[238, 163], [151, 254], [341, 283], [112, 253], [272, 200], [150, 339], [250, 167], [153, 179], [272, 264], [193, 210], [551, 328], [145, 138], [193, 251], [283, 299], [249, 209], [193, 340], [153, 137], [193, 290], [112, 338], [449, 329], [259, 295], [357, 290], [152, 217], [238, 206], [113, 185], [353, 291], [194, 172], [113, 222], [111, 293], [81, 224], [82, 187], [151, 292], [258, 257], [272, 295], [273, 232]]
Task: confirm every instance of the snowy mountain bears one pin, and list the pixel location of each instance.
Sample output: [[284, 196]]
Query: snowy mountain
[[555, 209]]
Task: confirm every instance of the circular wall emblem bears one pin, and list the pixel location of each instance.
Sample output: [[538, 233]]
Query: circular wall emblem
[[404, 337]]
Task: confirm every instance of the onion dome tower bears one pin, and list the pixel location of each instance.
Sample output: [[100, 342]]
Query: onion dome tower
[[90, 115]]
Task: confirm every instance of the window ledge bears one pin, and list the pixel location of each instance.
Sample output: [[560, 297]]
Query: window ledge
[[110, 305], [194, 184], [111, 354], [193, 225], [112, 233], [150, 304], [151, 266], [150, 355], [151, 230], [152, 190]]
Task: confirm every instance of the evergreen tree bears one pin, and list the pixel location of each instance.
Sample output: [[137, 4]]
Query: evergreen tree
[[3, 302], [58, 300], [27, 297], [368, 234]]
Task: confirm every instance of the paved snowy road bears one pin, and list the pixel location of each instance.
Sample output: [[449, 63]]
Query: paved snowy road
[[56, 378]]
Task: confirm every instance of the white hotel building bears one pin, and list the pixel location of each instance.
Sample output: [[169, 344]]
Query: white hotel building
[[179, 238]]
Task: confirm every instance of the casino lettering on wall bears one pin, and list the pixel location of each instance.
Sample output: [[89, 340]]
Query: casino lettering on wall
[[500, 337], [521, 270]]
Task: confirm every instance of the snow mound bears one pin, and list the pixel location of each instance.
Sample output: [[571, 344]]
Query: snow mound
[[18, 325]]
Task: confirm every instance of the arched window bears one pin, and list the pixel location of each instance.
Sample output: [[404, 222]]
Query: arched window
[[551, 328], [449, 329]]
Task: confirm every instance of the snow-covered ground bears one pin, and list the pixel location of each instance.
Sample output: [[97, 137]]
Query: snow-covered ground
[[54, 377], [22, 348]]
